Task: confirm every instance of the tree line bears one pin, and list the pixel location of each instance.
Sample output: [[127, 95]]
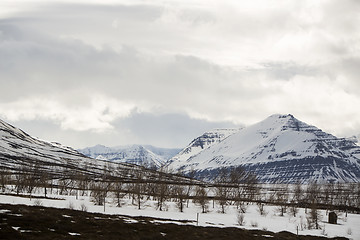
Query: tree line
[[232, 186]]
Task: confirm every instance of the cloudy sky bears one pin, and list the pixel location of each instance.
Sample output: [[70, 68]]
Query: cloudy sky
[[162, 72]]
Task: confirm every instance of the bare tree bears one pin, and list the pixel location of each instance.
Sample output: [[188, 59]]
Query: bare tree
[[241, 218], [261, 209], [237, 180], [180, 193], [298, 193], [281, 197], [119, 190], [98, 192], [357, 195], [82, 182], [314, 216], [32, 173], [293, 210], [189, 188], [161, 189], [5, 178], [19, 182], [100, 188], [139, 188], [201, 198], [338, 192], [222, 188], [251, 189], [43, 181], [328, 196], [347, 197], [312, 193], [64, 185]]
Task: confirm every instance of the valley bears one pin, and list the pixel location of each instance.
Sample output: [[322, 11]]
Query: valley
[[207, 188]]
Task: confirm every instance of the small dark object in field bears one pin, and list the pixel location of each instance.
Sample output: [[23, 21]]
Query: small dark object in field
[[332, 218]]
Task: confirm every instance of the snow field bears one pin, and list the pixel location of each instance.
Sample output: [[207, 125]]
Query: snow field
[[271, 221]]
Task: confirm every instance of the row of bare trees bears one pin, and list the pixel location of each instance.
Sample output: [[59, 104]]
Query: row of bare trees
[[232, 186]]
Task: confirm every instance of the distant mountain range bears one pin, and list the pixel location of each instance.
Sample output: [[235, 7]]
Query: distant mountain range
[[144, 155], [154, 157], [278, 149]]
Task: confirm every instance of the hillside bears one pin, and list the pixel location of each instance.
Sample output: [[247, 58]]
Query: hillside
[[279, 149], [21, 153], [199, 144]]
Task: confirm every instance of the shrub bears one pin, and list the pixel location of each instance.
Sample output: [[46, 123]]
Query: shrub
[[83, 207], [261, 209], [323, 231], [254, 224], [242, 207], [241, 218], [71, 206], [38, 203]]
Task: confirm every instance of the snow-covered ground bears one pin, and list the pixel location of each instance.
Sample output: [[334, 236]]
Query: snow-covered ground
[[346, 227]]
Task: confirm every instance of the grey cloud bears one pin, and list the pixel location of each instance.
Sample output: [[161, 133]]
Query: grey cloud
[[153, 59], [142, 12], [43, 64], [197, 17], [54, 12], [163, 130], [287, 70], [170, 130]]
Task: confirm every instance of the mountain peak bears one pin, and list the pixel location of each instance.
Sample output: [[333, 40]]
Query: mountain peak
[[278, 115], [280, 119], [279, 148], [137, 154]]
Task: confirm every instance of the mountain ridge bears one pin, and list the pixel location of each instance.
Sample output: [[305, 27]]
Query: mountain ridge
[[144, 155], [22, 154], [280, 148]]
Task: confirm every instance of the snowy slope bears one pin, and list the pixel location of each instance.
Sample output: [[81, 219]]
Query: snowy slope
[[136, 154], [346, 227], [355, 139], [20, 152], [199, 144], [281, 149], [18, 148]]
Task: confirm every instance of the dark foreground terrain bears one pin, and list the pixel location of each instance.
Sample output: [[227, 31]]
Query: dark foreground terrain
[[26, 222]]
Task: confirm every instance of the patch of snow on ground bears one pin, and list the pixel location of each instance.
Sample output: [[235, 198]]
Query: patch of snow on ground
[[346, 227]]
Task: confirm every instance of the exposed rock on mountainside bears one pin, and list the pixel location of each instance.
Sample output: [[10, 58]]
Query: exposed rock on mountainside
[[199, 144], [278, 149], [22, 154]]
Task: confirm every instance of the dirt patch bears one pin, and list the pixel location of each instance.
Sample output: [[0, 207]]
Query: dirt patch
[[30, 222]]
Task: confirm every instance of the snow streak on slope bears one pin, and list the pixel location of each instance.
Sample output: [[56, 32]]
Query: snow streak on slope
[[23, 154], [199, 144], [281, 149], [16, 145], [135, 154]]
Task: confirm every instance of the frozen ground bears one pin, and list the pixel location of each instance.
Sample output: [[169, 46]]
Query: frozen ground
[[346, 227]]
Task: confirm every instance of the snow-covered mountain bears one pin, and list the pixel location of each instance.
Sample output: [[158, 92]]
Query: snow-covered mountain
[[146, 155], [355, 139], [19, 152], [199, 144], [278, 149]]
